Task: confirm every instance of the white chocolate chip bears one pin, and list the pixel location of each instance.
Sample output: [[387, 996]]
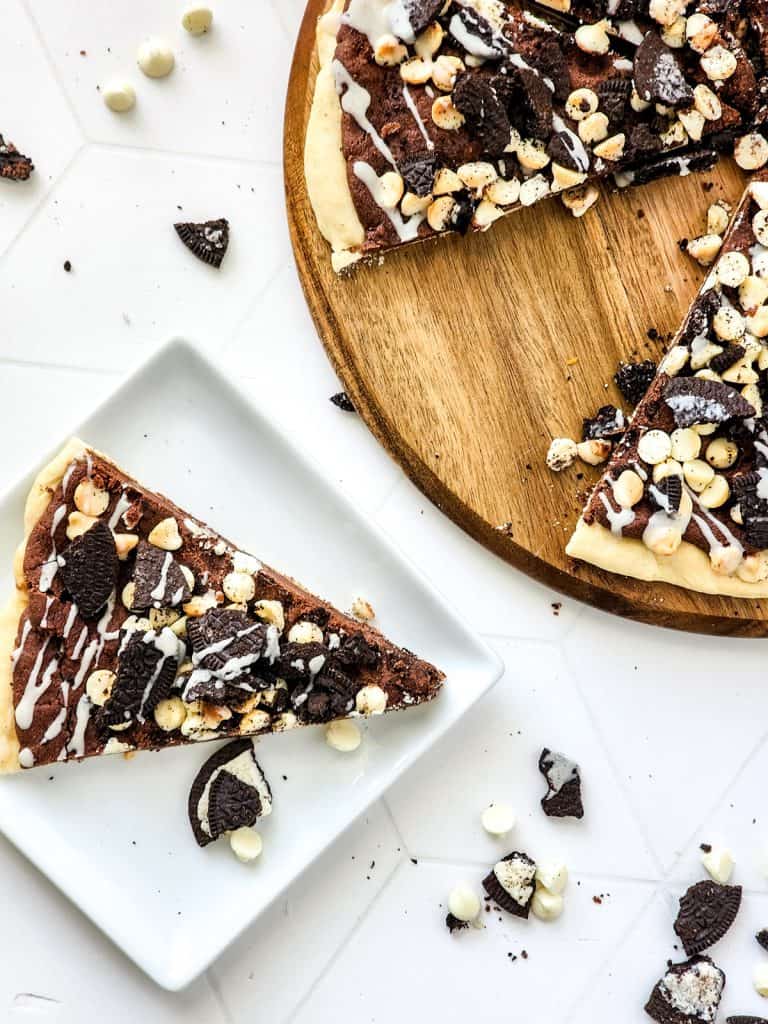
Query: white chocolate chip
[[754, 568], [412, 204], [254, 721], [581, 103], [669, 467], [546, 905], [170, 714], [416, 71], [127, 595], [534, 189], [166, 535], [445, 115], [732, 269], [722, 453], [718, 64], [246, 844], [728, 323], [498, 819], [429, 41], [760, 978], [716, 493], [371, 700], [760, 226], [445, 70], [119, 95], [200, 604], [700, 32], [485, 214], [440, 213], [693, 121], [581, 199], [447, 182], [78, 524], [759, 192], [552, 875], [757, 323], [704, 428], [90, 499], [707, 103], [197, 19], [593, 128], [463, 903], [612, 148], [155, 58], [239, 587], [565, 178], [751, 152], [654, 446], [686, 444], [503, 192], [628, 489], [666, 12], [664, 541], [637, 103], [271, 612], [698, 474], [725, 560], [532, 155], [561, 454], [160, 617], [99, 685], [477, 175], [594, 452], [388, 51], [593, 38], [363, 610], [305, 632], [674, 361], [674, 34], [753, 291], [342, 735], [717, 218], [718, 862]]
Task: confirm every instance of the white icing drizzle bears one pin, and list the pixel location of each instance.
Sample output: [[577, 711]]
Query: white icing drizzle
[[469, 41], [25, 709], [640, 471], [222, 645], [356, 101], [70, 621], [406, 230], [168, 644], [44, 620], [51, 565], [26, 757], [76, 745], [622, 64], [67, 477], [617, 520], [122, 505], [410, 103], [573, 143], [78, 648], [370, 17], [96, 646], [54, 729], [157, 592], [24, 634]]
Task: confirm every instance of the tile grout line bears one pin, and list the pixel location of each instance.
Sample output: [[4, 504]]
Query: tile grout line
[[243, 161], [404, 848], [218, 996], [342, 946], [37, 364]]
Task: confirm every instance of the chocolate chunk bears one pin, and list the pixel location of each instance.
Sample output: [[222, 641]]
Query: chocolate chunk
[[158, 579], [420, 13], [13, 164], [342, 401], [418, 173], [730, 355], [356, 652], [463, 211], [607, 423], [486, 119], [563, 796], [658, 74], [511, 883], [564, 148], [703, 309], [762, 938], [225, 640], [529, 103], [697, 400], [201, 685], [548, 59], [146, 670], [301, 662], [614, 94], [641, 143], [453, 924], [208, 241], [229, 792], [667, 493], [689, 992], [634, 379], [89, 567], [707, 911]]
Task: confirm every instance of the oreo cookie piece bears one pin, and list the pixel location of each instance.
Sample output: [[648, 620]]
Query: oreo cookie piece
[[697, 400], [453, 924], [342, 401], [667, 495], [229, 792], [745, 1020], [762, 938], [158, 579], [614, 94], [356, 652], [200, 684], [14, 165], [511, 883], [418, 173], [725, 359], [477, 99], [563, 796], [688, 992], [707, 911], [300, 663], [208, 241], [529, 103], [634, 379], [608, 423], [467, 23], [226, 641], [146, 670], [658, 74], [420, 13], [89, 567]]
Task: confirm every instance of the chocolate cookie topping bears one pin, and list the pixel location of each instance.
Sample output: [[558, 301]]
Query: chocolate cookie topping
[[511, 883], [689, 992], [563, 796], [14, 165], [229, 792], [707, 911], [208, 241]]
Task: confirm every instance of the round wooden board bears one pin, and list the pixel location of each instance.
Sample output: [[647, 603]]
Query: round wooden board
[[465, 356]]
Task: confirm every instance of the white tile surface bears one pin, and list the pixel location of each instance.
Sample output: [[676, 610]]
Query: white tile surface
[[670, 729]]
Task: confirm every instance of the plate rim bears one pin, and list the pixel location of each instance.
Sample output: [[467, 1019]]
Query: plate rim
[[490, 665]]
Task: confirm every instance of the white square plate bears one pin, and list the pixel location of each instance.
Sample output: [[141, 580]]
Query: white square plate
[[113, 834]]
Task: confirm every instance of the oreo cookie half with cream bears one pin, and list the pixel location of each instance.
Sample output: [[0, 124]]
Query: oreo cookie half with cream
[[229, 792], [688, 993], [511, 883], [563, 796]]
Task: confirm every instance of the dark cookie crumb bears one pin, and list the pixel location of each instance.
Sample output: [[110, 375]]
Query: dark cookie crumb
[[342, 401], [208, 240]]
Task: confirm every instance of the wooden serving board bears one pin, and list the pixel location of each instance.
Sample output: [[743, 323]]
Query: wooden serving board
[[465, 356]]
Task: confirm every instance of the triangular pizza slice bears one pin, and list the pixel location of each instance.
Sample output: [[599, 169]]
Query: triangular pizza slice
[[684, 499], [136, 625], [442, 115]]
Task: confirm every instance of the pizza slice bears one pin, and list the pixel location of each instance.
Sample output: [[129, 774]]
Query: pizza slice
[[135, 625], [431, 116], [684, 499]]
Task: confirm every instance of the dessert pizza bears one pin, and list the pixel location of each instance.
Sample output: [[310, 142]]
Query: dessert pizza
[[135, 625], [442, 115], [684, 499]]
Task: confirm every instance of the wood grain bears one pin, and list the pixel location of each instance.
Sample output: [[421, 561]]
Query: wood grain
[[465, 356]]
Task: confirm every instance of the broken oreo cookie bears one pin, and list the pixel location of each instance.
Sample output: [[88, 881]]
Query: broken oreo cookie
[[608, 423], [342, 401], [89, 567], [658, 75], [689, 992], [563, 796], [634, 379], [418, 173], [420, 13], [697, 400], [229, 792], [225, 641], [453, 924], [146, 670], [511, 883], [707, 911], [208, 241], [762, 938], [158, 579], [14, 165], [484, 112]]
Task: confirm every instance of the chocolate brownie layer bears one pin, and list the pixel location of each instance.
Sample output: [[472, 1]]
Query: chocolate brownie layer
[[135, 625], [684, 498]]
